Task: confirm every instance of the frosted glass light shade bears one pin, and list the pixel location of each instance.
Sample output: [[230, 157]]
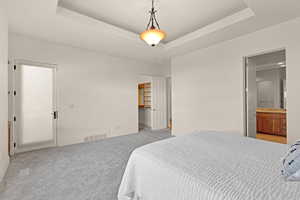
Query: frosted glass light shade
[[153, 36]]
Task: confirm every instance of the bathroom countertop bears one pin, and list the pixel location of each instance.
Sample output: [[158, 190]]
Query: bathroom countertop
[[271, 110]]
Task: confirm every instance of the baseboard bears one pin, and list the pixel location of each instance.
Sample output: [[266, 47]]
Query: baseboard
[[3, 169]]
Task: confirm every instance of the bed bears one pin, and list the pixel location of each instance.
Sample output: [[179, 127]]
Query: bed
[[207, 166]]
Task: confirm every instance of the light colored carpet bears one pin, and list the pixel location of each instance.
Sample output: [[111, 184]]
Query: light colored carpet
[[89, 171]]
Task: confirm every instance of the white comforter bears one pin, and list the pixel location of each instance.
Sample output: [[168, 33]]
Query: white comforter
[[207, 166]]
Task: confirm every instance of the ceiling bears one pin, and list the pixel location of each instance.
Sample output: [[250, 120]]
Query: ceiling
[[132, 15], [112, 26]]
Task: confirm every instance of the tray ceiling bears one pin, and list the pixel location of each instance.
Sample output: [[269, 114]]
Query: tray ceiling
[[57, 21], [176, 17]]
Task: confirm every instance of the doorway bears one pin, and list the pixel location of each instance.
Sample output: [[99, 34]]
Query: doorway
[[266, 96], [144, 99], [152, 103], [34, 110]]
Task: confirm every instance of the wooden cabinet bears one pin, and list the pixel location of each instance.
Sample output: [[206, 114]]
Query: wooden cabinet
[[271, 123]]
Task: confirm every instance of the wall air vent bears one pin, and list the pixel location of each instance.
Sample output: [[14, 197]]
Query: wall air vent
[[94, 138]]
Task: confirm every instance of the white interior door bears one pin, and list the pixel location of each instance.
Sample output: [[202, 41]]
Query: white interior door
[[251, 98], [34, 107], [159, 103]]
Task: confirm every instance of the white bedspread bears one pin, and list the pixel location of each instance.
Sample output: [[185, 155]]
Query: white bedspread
[[207, 166]]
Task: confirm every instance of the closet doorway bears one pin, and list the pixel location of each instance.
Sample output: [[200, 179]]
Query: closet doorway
[[152, 103], [144, 95]]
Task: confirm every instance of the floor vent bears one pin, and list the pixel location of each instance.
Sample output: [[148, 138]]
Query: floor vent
[[24, 172], [94, 138]]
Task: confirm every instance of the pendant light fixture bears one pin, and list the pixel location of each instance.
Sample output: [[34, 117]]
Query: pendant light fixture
[[153, 35]]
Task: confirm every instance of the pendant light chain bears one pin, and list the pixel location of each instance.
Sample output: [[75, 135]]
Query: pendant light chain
[[153, 20]]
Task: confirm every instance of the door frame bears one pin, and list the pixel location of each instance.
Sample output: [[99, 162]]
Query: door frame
[[245, 79], [13, 140]]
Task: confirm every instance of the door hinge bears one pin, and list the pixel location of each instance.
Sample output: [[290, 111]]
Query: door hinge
[[55, 114], [15, 67], [8, 62], [15, 119], [15, 145]]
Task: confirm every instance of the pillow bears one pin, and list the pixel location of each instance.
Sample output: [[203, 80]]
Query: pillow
[[291, 163]]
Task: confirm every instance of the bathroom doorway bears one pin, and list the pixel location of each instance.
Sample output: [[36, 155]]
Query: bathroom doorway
[[266, 96]]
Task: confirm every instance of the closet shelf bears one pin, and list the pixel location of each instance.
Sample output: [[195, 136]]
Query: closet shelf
[[144, 95]]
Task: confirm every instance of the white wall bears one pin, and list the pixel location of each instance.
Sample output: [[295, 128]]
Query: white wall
[[208, 83], [3, 91], [97, 93]]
